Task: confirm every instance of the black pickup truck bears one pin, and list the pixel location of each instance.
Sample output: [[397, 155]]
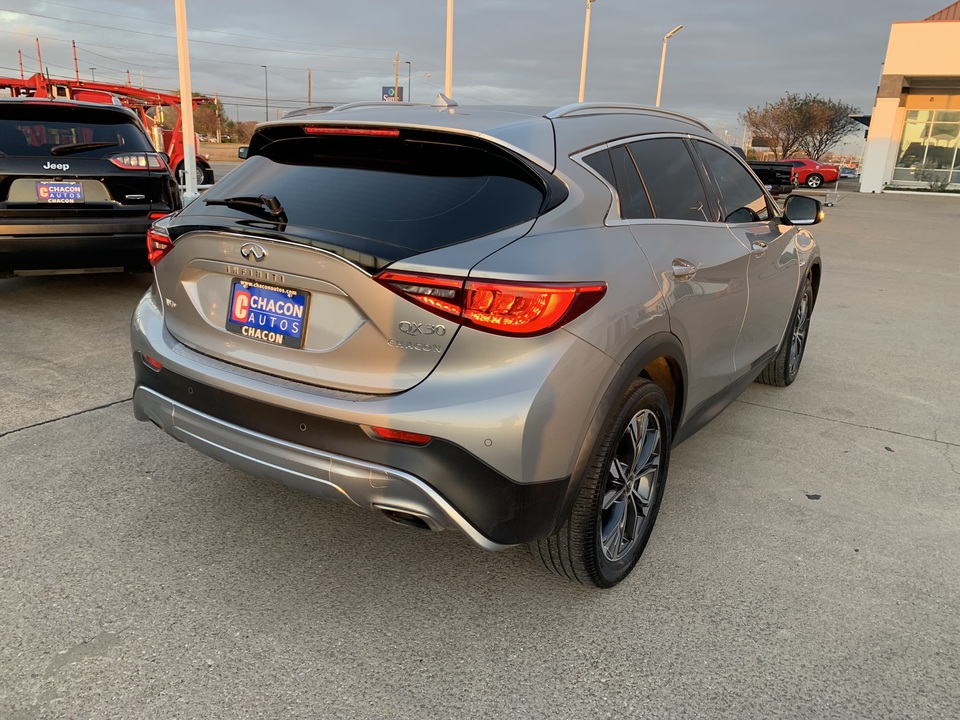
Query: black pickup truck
[[777, 177]]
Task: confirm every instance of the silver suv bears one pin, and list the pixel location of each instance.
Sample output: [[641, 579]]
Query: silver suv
[[497, 320]]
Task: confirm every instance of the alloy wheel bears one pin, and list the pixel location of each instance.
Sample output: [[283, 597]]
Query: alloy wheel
[[631, 486], [798, 340]]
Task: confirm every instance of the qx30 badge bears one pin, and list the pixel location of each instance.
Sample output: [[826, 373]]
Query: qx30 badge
[[252, 251], [415, 328]]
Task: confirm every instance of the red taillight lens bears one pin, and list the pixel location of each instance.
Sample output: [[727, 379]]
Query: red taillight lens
[[365, 132], [498, 306], [410, 438], [158, 245], [138, 161], [527, 309]]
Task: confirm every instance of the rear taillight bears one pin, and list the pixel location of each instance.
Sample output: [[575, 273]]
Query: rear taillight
[[158, 244], [138, 161], [497, 306]]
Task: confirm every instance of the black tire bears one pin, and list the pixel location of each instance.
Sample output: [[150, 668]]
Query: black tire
[[207, 175], [783, 369], [814, 180], [204, 174], [612, 518]]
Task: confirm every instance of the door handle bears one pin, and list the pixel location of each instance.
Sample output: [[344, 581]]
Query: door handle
[[683, 269], [759, 247]]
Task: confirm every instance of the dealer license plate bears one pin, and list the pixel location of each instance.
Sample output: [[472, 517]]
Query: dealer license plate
[[267, 313], [59, 192]]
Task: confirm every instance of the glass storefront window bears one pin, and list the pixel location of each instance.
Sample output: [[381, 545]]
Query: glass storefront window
[[928, 147], [912, 144]]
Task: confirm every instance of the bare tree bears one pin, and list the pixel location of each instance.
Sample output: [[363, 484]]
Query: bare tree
[[777, 123], [827, 121], [809, 123]]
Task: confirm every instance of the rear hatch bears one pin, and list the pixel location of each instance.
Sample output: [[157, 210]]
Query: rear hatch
[[274, 267], [69, 164]]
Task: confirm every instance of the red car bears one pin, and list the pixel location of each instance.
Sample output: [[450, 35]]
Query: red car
[[812, 173]]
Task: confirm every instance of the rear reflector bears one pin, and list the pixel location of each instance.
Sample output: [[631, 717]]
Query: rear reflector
[[498, 306], [158, 245], [409, 438], [157, 215], [367, 132], [154, 365]]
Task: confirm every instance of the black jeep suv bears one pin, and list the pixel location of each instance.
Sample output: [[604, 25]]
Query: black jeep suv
[[80, 183]]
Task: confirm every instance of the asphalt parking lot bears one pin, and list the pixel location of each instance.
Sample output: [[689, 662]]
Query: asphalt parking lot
[[805, 563]]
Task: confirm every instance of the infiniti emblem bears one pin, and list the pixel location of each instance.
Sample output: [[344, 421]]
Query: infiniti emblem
[[254, 251]]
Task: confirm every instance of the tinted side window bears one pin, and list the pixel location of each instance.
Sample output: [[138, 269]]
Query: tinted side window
[[600, 161], [741, 197], [617, 168], [633, 196], [671, 178]]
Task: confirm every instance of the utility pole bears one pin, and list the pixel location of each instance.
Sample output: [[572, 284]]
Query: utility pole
[[309, 87], [586, 45], [396, 78], [76, 66], [448, 73]]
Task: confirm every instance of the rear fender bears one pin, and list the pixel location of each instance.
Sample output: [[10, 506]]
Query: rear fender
[[642, 362]]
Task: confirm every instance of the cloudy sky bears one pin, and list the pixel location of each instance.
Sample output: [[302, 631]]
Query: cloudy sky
[[731, 54]]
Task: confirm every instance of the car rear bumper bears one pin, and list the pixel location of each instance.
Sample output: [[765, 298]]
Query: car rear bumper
[[42, 246], [398, 495]]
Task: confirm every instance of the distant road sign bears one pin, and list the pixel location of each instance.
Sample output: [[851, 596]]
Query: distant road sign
[[392, 94]]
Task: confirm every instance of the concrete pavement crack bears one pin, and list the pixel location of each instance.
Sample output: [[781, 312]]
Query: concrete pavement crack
[[63, 417], [851, 424]]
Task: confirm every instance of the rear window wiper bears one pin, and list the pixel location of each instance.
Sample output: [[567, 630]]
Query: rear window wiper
[[262, 205], [79, 147]]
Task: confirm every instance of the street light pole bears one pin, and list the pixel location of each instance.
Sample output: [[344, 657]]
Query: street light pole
[[266, 96], [409, 95], [586, 43], [448, 70], [93, 74], [663, 59]]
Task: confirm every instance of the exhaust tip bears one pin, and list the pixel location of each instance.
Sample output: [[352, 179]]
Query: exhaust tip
[[410, 519]]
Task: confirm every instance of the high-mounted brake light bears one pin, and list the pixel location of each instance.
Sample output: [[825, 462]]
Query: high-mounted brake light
[[158, 245], [367, 132], [498, 306], [138, 161]]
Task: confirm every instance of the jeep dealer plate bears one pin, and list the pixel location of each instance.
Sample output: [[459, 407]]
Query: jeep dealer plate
[[59, 192], [267, 313]]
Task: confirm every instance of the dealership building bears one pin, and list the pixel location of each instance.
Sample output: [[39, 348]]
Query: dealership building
[[915, 124]]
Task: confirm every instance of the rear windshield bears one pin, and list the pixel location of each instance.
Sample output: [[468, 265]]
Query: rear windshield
[[41, 130], [417, 190]]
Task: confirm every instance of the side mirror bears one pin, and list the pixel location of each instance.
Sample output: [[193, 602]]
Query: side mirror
[[802, 210], [243, 151]]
